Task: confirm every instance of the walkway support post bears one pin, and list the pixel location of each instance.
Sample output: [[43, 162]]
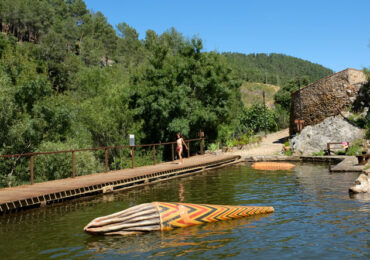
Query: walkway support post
[[31, 169], [154, 155], [73, 165], [106, 159], [132, 157]]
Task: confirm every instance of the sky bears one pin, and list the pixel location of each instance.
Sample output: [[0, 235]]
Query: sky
[[333, 33]]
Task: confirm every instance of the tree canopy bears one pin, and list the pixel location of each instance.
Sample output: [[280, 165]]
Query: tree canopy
[[69, 79]]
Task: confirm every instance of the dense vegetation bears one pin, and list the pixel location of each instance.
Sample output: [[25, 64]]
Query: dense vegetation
[[69, 80]]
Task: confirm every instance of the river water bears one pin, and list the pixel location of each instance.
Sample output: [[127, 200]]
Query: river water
[[314, 218]]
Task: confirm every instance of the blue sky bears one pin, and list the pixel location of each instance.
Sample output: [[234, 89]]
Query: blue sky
[[333, 33]]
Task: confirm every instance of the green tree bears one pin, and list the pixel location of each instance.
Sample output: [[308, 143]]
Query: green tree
[[283, 98], [256, 119], [182, 93]]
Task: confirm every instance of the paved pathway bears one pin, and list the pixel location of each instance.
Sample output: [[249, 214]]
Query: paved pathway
[[272, 144]]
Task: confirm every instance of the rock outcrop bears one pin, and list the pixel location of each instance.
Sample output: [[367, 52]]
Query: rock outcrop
[[332, 129]]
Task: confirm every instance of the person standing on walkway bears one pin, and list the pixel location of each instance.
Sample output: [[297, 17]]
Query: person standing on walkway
[[180, 141]]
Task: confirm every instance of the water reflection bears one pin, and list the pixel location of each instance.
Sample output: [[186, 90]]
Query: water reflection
[[178, 242], [314, 218]]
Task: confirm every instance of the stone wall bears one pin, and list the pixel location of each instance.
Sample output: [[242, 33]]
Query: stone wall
[[326, 97]]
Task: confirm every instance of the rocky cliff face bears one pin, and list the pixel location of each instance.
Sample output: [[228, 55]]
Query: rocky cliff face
[[333, 129], [326, 97]]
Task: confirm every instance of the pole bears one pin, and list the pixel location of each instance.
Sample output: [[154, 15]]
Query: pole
[[154, 160], [201, 144], [132, 157], [264, 108], [31, 170], [188, 149], [73, 165], [106, 160]]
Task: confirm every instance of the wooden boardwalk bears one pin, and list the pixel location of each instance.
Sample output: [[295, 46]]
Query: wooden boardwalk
[[30, 196]]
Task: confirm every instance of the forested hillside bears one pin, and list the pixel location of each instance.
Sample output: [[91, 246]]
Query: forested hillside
[[276, 69], [69, 80]]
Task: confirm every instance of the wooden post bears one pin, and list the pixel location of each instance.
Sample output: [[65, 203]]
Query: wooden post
[[201, 135], [188, 149], [132, 157], [73, 165], [106, 159], [173, 153], [154, 155], [31, 169], [328, 148]]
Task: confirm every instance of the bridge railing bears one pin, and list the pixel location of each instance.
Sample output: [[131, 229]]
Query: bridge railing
[[106, 149]]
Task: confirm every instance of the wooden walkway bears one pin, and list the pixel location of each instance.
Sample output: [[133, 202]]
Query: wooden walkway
[[30, 196]]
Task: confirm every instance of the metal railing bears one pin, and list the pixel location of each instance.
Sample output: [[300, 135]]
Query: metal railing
[[106, 149]]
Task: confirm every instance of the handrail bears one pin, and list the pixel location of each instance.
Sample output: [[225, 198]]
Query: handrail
[[105, 148], [94, 149]]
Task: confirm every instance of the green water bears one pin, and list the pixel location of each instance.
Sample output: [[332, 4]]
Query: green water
[[314, 218]]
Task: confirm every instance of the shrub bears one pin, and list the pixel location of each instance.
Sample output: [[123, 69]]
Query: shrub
[[213, 147], [288, 153], [229, 143], [244, 139], [353, 149], [320, 153]]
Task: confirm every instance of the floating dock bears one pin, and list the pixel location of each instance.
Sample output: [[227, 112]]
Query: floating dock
[[45, 193]]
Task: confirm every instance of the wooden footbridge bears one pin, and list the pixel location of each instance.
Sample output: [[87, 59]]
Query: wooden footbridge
[[40, 194]]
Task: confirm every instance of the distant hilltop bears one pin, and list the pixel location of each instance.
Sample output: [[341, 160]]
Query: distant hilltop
[[276, 69]]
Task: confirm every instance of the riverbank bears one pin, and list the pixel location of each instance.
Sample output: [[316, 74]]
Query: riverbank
[[270, 149]]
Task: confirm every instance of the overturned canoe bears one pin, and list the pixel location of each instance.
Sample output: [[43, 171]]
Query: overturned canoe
[[166, 216], [272, 166]]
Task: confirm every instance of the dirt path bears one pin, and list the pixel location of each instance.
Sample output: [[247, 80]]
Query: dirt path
[[272, 144]]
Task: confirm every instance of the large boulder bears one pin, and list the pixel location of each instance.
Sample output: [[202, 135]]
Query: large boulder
[[332, 129]]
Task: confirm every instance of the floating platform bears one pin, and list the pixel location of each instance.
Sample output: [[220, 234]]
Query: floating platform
[[273, 166], [45, 193]]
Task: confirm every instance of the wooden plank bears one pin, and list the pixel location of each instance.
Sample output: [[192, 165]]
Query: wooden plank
[[24, 192]]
